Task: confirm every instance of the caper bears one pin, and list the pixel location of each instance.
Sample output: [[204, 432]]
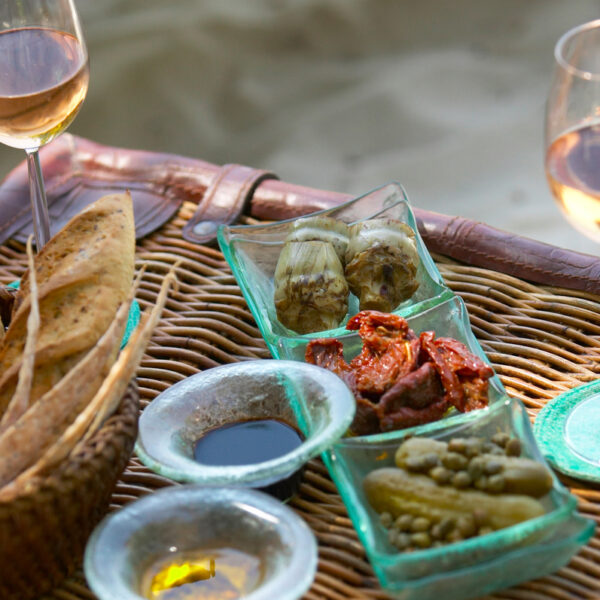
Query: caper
[[474, 447], [481, 482], [454, 536], [421, 539], [436, 532], [513, 447], [485, 530], [446, 525], [461, 479], [402, 541], [495, 484], [492, 467], [420, 524], [487, 447], [466, 526], [392, 536], [440, 475], [385, 518], [404, 522], [454, 461], [476, 467], [457, 445], [500, 439]]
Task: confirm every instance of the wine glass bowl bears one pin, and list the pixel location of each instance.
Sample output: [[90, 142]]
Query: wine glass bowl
[[44, 77], [572, 135]]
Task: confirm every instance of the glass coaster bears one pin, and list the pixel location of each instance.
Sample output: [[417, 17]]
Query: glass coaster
[[567, 432]]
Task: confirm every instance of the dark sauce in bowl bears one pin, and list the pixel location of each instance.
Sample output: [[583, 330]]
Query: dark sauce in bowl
[[252, 441], [246, 442]]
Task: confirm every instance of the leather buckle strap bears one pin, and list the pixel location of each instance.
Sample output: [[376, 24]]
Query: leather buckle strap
[[224, 201]]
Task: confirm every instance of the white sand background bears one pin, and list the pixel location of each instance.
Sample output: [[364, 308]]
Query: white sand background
[[446, 97]]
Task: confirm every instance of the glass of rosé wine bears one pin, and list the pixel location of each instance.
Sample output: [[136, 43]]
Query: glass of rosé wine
[[572, 136], [44, 78]]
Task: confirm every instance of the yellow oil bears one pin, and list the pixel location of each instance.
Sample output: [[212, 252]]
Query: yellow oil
[[219, 574]]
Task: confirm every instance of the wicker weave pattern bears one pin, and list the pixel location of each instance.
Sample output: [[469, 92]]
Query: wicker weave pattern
[[541, 341], [44, 531]]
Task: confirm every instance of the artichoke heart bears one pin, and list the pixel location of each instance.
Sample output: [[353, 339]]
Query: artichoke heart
[[381, 263], [323, 229], [311, 293]]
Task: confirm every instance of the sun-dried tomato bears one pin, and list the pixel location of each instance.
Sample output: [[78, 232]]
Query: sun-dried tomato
[[401, 380]]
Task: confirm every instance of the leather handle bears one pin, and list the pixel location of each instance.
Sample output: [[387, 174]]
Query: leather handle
[[479, 244], [224, 201], [78, 171], [463, 239]]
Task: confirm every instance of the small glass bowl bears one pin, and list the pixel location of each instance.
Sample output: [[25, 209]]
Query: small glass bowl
[[191, 518], [475, 566], [314, 401], [252, 253]]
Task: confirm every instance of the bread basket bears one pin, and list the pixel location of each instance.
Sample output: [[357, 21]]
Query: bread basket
[[44, 531]]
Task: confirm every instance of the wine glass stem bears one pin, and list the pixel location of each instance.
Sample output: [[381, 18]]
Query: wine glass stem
[[39, 206]]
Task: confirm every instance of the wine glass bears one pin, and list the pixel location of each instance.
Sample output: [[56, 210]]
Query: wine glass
[[572, 136], [44, 78]]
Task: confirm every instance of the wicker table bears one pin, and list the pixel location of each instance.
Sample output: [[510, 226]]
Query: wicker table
[[541, 341]]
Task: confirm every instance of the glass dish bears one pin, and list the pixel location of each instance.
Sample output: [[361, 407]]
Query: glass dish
[[191, 518], [567, 431], [252, 253], [474, 566], [314, 401], [448, 319]]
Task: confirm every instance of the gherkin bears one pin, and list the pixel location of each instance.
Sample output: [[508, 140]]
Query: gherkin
[[311, 293], [381, 263]]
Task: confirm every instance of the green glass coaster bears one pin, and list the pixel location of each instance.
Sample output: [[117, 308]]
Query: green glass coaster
[[567, 431], [133, 318]]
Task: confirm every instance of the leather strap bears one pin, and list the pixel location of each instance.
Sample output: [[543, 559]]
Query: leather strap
[[479, 244], [464, 240], [223, 202], [78, 171]]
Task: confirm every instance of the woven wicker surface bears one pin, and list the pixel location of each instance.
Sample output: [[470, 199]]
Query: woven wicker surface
[[540, 340], [45, 529]]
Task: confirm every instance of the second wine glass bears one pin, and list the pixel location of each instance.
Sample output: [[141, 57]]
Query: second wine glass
[[44, 77], [573, 128]]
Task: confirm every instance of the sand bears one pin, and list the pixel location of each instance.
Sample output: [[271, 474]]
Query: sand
[[445, 97]]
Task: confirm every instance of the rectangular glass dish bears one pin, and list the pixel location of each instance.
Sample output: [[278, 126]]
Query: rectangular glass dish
[[466, 569], [475, 566], [252, 253]]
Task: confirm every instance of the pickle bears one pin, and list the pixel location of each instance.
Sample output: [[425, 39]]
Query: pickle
[[519, 475], [522, 475], [398, 492]]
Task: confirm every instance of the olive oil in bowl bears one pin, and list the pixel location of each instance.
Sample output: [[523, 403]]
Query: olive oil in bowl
[[211, 574]]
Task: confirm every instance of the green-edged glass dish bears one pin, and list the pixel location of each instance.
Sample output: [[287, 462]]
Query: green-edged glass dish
[[448, 319], [476, 566], [252, 252], [186, 519], [314, 401], [566, 430]]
